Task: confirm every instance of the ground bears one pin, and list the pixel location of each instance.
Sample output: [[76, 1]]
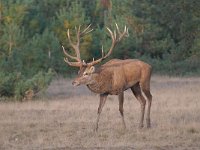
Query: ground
[[64, 118]]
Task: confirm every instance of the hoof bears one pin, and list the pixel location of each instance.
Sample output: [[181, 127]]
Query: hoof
[[124, 126], [148, 123], [95, 130], [141, 126]]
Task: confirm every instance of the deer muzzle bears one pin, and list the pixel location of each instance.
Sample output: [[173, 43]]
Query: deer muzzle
[[75, 83]]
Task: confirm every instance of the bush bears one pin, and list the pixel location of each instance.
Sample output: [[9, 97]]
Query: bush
[[17, 86], [8, 83], [188, 67]]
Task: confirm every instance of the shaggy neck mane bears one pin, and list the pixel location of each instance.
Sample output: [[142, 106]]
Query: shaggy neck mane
[[101, 78]]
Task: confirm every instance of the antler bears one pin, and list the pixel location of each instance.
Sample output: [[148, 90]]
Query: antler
[[77, 58], [115, 40], [116, 37]]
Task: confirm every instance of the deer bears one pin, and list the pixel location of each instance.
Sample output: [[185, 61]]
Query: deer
[[113, 77]]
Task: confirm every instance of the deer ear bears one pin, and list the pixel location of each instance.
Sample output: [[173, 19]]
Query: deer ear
[[92, 69]]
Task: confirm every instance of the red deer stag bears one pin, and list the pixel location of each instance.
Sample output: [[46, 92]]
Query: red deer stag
[[113, 77]]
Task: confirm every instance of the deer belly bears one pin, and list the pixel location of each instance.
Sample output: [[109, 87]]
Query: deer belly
[[121, 81], [117, 83], [115, 92]]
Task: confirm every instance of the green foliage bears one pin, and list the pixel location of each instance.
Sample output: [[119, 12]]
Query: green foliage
[[163, 33], [8, 83], [16, 85], [12, 38], [189, 67], [11, 19], [70, 19], [42, 53], [37, 83]]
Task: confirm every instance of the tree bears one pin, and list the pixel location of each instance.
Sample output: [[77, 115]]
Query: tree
[[12, 34]]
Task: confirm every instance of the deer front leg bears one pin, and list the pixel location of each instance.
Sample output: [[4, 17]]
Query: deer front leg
[[103, 98], [121, 109]]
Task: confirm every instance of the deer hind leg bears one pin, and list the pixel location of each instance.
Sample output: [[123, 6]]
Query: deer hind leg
[[145, 86], [103, 98], [121, 109], [138, 94]]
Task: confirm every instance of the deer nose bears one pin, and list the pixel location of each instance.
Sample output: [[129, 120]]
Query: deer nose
[[75, 83]]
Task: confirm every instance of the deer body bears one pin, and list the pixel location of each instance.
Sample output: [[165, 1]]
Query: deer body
[[113, 77], [117, 75]]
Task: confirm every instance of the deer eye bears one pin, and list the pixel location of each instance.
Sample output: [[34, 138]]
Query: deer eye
[[85, 74]]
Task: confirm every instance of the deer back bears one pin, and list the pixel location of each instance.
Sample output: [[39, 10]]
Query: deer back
[[117, 75]]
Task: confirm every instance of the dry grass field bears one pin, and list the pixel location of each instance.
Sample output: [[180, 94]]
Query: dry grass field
[[65, 118]]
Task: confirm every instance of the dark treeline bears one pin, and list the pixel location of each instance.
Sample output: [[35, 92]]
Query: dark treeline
[[163, 33]]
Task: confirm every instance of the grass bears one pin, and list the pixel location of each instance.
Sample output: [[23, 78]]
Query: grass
[[65, 118]]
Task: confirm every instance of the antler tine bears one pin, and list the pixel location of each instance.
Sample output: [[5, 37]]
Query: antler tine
[[114, 37], [111, 33], [117, 26], [76, 46], [74, 64], [98, 60], [69, 38], [125, 33], [78, 43], [87, 30], [115, 34], [115, 40], [102, 52], [70, 56], [78, 36]]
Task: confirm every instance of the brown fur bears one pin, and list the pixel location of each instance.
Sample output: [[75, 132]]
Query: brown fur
[[116, 76]]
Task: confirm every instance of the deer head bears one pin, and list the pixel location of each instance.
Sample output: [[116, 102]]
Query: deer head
[[87, 70]]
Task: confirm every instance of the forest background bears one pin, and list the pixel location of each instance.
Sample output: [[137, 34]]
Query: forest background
[[165, 34]]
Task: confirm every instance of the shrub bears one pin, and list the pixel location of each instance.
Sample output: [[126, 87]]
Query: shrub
[[17, 86], [8, 82]]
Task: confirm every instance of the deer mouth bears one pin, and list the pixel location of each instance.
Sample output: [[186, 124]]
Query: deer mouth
[[75, 83]]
